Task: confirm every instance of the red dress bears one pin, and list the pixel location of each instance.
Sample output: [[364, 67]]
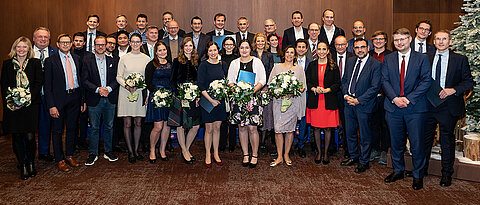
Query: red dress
[[321, 117]]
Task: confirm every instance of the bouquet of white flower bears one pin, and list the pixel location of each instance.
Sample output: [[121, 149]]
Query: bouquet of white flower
[[218, 89], [241, 93], [285, 84], [134, 80], [162, 98], [188, 92], [264, 98], [17, 97]]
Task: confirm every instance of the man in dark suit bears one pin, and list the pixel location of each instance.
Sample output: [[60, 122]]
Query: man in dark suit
[[173, 41], [199, 39], [242, 25], [41, 42], [123, 45], [292, 34], [167, 16], [64, 98], [121, 23], [111, 46], [358, 31], [329, 32], [91, 33], [219, 22], [360, 86], [152, 38], [423, 29], [101, 96], [406, 78], [313, 32], [452, 75], [301, 47]]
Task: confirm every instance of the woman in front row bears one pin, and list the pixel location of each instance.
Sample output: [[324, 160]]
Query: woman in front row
[[157, 75], [250, 116], [208, 71], [323, 82], [285, 122]]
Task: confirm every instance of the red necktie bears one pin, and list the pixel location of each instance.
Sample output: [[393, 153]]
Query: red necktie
[[402, 76]]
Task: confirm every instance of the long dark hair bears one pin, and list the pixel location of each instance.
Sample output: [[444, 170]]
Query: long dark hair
[[223, 52], [156, 60], [331, 63], [279, 51]]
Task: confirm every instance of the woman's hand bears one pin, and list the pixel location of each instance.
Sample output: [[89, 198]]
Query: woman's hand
[[130, 89], [196, 102], [215, 103]]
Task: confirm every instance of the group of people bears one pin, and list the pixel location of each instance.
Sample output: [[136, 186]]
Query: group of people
[[357, 84]]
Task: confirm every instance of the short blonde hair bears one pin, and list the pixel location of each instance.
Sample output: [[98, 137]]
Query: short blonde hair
[[13, 50], [254, 43]]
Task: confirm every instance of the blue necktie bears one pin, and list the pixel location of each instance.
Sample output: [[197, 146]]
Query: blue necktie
[[438, 72], [353, 85]]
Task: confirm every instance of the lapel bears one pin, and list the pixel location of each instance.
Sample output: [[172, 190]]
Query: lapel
[[412, 62], [396, 68], [96, 72], [365, 68], [449, 68], [59, 66]]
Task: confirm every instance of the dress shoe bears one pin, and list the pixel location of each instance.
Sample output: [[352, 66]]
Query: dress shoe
[[221, 149], [219, 163], [139, 157], [325, 162], [446, 181], [362, 168], [170, 147], [23, 172], [131, 158], [417, 183], [302, 153], [165, 159], [32, 172], [349, 162], [187, 161], [393, 177], [245, 164], [262, 149], [72, 162], [408, 173], [63, 166], [273, 164], [46, 157], [208, 165], [152, 161], [193, 158]]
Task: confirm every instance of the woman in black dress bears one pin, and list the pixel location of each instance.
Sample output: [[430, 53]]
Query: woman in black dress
[[22, 70], [208, 71]]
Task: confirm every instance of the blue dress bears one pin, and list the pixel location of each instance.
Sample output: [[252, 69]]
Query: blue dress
[[207, 73], [155, 78]]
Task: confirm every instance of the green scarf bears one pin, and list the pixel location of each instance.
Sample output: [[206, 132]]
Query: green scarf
[[22, 79]]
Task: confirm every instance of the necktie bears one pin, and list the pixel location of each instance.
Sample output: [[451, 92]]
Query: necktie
[[402, 76], [420, 49], [353, 83], [90, 40], [438, 72], [42, 56], [151, 53], [300, 61], [340, 66], [243, 36], [69, 73], [314, 51], [165, 33]]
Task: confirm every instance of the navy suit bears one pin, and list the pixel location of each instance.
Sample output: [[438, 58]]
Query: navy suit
[[238, 38], [351, 41], [458, 77], [412, 118], [289, 36], [359, 116], [44, 122], [202, 44], [67, 104], [430, 48]]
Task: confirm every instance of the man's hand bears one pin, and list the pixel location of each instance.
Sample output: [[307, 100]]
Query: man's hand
[[83, 107], [54, 112], [103, 91], [446, 92], [400, 102]]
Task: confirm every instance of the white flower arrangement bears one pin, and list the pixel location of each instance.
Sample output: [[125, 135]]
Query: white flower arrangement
[[17, 97], [162, 98], [134, 80], [188, 92], [218, 89]]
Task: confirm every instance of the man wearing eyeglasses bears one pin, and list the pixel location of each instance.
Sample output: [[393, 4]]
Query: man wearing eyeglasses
[[329, 32], [64, 98], [163, 33], [101, 95], [173, 41], [406, 78], [242, 25], [423, 29], [358, 31], [313, 32], [271, 28]]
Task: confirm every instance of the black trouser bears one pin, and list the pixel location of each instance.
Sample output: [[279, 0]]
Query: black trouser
[[24, 145], [229, 131], [83, 127], [380, 134], [68, 114]]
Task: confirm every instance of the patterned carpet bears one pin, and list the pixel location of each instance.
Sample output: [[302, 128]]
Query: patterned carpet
[[174, 182]]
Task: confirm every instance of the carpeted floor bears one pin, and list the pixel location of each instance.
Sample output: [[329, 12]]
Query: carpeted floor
[[174, 182]]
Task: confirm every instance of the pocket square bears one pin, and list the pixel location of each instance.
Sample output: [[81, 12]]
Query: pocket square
[[111, 65]]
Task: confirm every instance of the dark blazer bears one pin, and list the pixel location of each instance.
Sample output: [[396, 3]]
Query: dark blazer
[[417, 81], [430, 48], [115, 52], [267, 61], [202, 43], [331, 80], [250, 37], [368, 82], [289, 36], [225, 32], [322, 37], [52, 50], [459, 77], [351, 41], [34, 74], [334, 55], [161, 33], [91, 80], [99, 33], [55, 81], [81, 52]]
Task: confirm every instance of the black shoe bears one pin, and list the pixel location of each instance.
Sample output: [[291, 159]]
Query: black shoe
[[23, 172], [46, 157], [302, 153], [262, 149], [185, 160], [320, 160], [164, 158], [221, 149], [362, 168], [110, 156], [245, 164], [193, 158], [131, 158], [32, 172], [393, 177], [152, 161], [169, 147], [91, 159], [408, 173], [139, 157], [349, 162], [417, 183], [446, 181], [251, 165]]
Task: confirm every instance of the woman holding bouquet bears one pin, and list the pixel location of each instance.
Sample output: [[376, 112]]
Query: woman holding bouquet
[[157, 75], [22, 70], [184, 70], [210, 70], [131, 102], [285, 122], [323, 82], [247, 116]]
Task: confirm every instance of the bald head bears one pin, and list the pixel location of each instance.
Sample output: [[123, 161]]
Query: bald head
[[172, 27], [270, 26], [341, 44], [358, 29]]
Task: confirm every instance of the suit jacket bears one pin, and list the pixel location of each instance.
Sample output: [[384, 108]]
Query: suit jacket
[[99, 33], [225, 32], [418, 78], [52, 50], [91, 80], [55, 81], [368, 82], [430, 48], [322, 37], [167, 42], [115, 52], [202, 44], [289, 37], [250, 37], [459, 77], [161, 33], [331, 80], [351, 41]]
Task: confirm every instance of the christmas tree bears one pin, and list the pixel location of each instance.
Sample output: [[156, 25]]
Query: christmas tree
[[466, 40]]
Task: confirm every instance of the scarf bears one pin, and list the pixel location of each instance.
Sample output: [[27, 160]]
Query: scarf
[[22, 79]]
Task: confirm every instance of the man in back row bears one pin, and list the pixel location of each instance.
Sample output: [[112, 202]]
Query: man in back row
[[292, 34]]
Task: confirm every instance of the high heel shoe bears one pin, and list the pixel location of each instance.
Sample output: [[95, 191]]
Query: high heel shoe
[[219, 163], [326, 160], [32, 172], [245, 164], [289, 163], [273, 164], [251, 165], [23, 172], [139, 157], [131, 158], [164, 158], [193, 158], [208, 165], [319, 161], [186, 161], [152, 161]]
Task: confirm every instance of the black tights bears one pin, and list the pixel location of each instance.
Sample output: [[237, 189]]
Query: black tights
[[24, 144]]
